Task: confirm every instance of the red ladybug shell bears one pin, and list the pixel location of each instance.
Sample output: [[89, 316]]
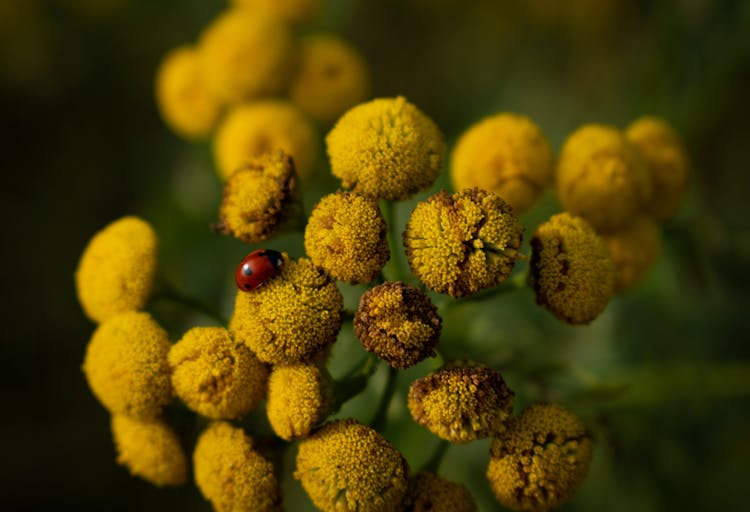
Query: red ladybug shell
[[256, 268]]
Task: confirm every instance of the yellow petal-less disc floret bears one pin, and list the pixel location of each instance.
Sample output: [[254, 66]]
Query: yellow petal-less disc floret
[[461, 403], [292, 317], [429, 492], [126, 365], [464, 242], [541, 460], [299, 397], [257, 197], [246, 53], [185, 102], [633, 250], [231, 474], [347, 466], [601, 176], [346, 236], [397, 322], [571, 270], [248, 131], [292, 11], [506, 154], [117, 269], [667, 162], [386, 149], [331, 78], [215, 375], [150, 449]]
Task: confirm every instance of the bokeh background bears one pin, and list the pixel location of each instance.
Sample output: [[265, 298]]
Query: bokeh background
[[662, 379]]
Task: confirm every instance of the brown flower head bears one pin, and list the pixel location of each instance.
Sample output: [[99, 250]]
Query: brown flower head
[[429, 492]]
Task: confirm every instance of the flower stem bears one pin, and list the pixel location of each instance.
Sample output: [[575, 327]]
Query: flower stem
[[378, 420], [392, 269], [433, 463], [166, 291]]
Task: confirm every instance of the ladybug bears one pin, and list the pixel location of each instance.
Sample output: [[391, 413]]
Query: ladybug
[[256, 268]]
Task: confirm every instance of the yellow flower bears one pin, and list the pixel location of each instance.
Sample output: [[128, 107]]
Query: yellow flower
[[292, 317], [299, 397], [246, 54], [386, 149], [602, 177], [506, 154], [257, 197], [150, 449], [571, 270], [347, 466], [461, 403], [126, 365], [398, 323], [248, 131], [541, 460], [293, 11], [633, 250], [346, 236], [464, 242], [331, 78], [429, 492], [216, 376], [231, 474], [117, 269], [186, 104], [667, 161]]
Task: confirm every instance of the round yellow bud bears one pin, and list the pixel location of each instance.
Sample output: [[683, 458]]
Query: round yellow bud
[[464, 242], [299, 397], [346, 236], [126, 365], [506, 154], [429, 492], [292, 11], [386, 149], [541, 460], [117, 269], [633, 250]]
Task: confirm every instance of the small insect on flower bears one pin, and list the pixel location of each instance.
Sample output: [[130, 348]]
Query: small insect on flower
[[256, 268]]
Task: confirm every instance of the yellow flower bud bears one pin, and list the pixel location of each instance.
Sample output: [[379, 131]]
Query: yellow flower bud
[[126, 365], [386, 149], [292, 11], [299, 397], [461, 243], [117, 269], [429, 492], [541, 460], [633, 250], [346, 236], [506, 154]]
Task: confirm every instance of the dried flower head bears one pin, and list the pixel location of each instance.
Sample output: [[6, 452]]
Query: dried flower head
[[299, 397], [150, 449], [601, 176], [117, 269], [231, 474], [461, 403], [541, 460], [292, 11], [429, 492], [633, 250], [346, 236], [251, 130], [126, 365], [399, 323], [571, 270], [506, 154], [347, 466], [386, 149], [257, 197], [290, 318], [461, 243]]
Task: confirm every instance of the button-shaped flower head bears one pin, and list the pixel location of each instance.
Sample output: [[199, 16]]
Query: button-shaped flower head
[[299, 397], [461, 243], [150, 449], [571, 270], [506, 154], [215, 375], [399, 323], [257, 197], [601, 176], [292, 317], [346, 236], [292, 11], [347, 466], [461, 403], [633, 250], [541, 460], [429, 492], [117, 269], [231, 474], [126, 365], [386, 149]]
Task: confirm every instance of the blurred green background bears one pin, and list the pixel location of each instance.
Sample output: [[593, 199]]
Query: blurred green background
[[662, 379]]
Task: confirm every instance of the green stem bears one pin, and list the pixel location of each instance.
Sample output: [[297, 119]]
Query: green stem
[[166, 291], [517, 282], [378, 420], [392, 270], [433, 463], [353, 383]]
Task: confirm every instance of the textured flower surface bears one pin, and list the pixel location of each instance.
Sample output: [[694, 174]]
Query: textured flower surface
[[633, 250], [299, 397], [429, 492]]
